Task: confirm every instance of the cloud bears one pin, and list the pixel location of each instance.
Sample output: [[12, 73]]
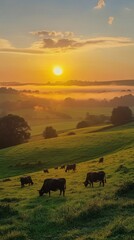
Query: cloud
[[110, 20], [100, 4], [4, 43], [128, 9], [54, 34], [45, 45]]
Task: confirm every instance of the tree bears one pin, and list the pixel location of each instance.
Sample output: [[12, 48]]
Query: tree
[[49, 132], [121, 115], [13, 130]]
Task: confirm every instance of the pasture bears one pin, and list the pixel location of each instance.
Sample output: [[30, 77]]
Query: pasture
[[84, 213]]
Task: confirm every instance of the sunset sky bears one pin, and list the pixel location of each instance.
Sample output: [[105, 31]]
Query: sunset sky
[[89, 39]]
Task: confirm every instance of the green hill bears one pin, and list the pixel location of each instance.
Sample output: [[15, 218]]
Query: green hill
[[84, 213]]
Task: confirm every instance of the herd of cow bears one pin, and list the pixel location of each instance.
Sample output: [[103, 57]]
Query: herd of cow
[[54, 184]]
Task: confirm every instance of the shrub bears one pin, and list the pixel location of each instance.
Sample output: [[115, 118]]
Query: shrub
[[71, 133], [49, 132], [82, 124]]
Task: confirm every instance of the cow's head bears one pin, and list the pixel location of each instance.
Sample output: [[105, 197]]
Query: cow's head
[[40, 193], [85, 183]]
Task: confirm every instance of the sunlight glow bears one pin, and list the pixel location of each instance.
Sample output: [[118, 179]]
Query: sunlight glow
[[57, 70]]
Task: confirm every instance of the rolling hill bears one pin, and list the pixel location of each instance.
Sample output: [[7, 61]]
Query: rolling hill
[[84, 213]]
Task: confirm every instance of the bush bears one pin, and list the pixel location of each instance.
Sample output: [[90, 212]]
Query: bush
[[82, 124], [49, 132], [121, 115], [71, 133]]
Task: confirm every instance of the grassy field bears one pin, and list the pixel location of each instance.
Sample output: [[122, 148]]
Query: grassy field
[[84, 213]]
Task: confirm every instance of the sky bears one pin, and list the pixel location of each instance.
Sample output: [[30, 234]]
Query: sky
[[91, 40]]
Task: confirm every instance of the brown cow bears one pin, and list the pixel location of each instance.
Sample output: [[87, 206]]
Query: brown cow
[[53, 184], [46, 170], [95, 177], [70, 167], [62, 167], [101, 160]]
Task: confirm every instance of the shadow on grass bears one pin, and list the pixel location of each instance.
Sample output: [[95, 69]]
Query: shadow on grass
[[49, 222]]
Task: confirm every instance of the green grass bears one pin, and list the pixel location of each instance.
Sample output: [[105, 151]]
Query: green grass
[[83, 146], [84, 213]]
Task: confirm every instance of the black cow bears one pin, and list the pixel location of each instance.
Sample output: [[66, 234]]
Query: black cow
[[95, 177], [46, 170], [101, 160], [62, 167], [71, 167], [26, 180], [56, 168], [53, 184]]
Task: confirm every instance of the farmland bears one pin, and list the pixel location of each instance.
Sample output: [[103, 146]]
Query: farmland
[[84, 213]]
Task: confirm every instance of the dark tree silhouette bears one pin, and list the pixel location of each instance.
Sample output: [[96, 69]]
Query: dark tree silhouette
[[121, 115], [13, 130], [49, 132], [82, 124]]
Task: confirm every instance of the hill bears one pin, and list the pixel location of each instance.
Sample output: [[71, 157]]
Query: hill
[[84, 213]]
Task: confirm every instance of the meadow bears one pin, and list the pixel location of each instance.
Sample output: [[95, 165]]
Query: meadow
[[84, 213]]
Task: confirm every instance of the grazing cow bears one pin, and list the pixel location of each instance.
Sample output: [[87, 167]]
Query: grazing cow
[[46, 170], [95, 177], [62, 167], [71, 167], [56, 168], [26, 180], [53, 184], [101, 160]]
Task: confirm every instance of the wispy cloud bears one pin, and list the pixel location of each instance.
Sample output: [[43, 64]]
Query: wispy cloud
[[56, 43], [100, 4], [128, 9], [110, 20]]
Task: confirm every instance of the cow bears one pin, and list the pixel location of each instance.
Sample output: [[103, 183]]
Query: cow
[[53, 184], [70, 167], [56, 168], [26, 180], [95, 177], [101, 160], [62, 167], [46, 170]]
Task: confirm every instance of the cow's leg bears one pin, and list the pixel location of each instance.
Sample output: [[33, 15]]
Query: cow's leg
[[100, 183], [63, 192], [92, 184], [103, 182], [60, 192], [49, 193]]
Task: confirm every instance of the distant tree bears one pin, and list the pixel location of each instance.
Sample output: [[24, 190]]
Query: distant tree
[[49, 132], [82, 124], [121, 115], [13, 130]]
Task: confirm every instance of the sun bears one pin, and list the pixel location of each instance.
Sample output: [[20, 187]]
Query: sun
[[57, 70]]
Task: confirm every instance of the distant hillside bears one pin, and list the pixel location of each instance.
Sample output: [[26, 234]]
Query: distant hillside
[[74, 82]]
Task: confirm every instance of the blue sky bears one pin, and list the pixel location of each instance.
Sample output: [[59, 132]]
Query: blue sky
[[53, 26]]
